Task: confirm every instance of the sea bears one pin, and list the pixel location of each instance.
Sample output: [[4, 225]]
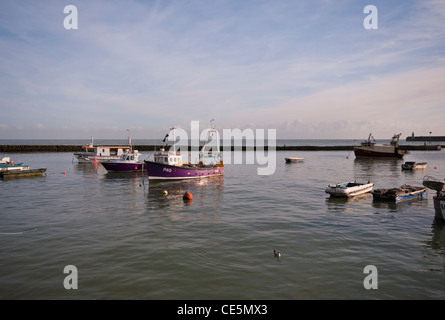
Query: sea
[[80, 233]]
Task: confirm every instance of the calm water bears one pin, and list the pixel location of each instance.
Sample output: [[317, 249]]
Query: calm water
[[129, 241]]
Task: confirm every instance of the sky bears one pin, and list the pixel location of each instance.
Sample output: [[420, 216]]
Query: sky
[[307, 68]]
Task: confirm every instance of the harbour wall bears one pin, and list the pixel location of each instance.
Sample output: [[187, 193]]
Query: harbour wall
[[426, 138], [78, 148]]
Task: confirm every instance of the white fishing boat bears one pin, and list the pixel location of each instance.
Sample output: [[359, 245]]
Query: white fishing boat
[[349, 189], [293, 159], [100, 153], [411, 165]]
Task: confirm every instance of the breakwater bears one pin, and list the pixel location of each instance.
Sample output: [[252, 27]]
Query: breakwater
[[426, 138], [78, 148]]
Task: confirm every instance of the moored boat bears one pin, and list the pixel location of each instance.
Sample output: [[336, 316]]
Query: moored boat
[[128, 162], [22, 173], [411, 165], [349, 189], [402, 193], [99, 153], [370, 149], [9, 169], [293, 159], [7, 165], [169, 165]]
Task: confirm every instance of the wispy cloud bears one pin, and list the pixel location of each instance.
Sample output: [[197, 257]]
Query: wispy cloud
[[280, 64]]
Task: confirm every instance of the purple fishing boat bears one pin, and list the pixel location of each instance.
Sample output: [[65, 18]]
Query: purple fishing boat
[[128, 162], [170, 165]]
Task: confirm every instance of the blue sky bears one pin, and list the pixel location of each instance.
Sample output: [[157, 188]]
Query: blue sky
[[308, 69]]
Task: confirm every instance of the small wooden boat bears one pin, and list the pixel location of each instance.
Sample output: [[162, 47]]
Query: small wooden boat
[[349, 189], [21, 173], [411, 165], [403, 193], [294, 159]]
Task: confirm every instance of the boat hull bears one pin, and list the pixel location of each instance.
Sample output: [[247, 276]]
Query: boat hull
[[397, 196], [13, 167], [92, 159], [439, 207], [349, 189], [22, 173], [369, 153], [123, 167], [159, 171]]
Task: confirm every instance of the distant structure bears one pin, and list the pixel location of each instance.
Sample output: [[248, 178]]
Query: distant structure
[[425, 138]]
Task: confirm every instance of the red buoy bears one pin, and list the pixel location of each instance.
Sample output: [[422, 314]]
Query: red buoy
[[187, 196]]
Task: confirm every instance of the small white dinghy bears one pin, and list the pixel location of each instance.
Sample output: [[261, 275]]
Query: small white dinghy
[[349, 189]]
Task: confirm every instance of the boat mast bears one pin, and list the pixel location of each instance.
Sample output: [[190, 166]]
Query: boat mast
[[129, 140], [210, 132], [395, 140], [174, 139]]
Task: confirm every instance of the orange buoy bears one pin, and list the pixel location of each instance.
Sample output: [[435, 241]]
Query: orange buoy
[[187, 196]]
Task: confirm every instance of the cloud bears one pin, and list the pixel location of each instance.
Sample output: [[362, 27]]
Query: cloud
[[385, 103], [153, 64]]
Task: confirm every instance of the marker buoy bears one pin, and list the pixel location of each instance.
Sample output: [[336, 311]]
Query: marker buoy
[[187, 196]]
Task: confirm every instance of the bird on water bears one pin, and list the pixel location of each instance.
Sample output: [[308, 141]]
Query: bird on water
[[277, 254]]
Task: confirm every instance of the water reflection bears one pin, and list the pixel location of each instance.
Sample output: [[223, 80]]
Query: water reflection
[[373, 168], [438, 236], [89, 168], [345, 204], [167, 195], [132, 175], [392, 206]]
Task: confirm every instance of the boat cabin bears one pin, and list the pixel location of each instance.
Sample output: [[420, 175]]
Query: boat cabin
[[130, 156], [169, 158], [106, 151]]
